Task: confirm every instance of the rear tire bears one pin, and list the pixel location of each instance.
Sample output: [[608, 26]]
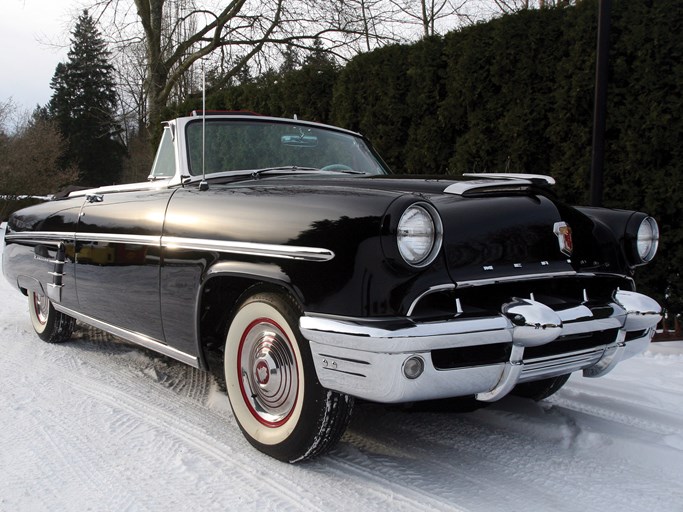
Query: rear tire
[[50, 325], [540, 389], [276, 398]]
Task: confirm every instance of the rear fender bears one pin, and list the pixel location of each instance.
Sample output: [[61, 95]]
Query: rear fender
[[29, 284]]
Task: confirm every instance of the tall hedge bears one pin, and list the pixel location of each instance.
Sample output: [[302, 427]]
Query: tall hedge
[[516, 93], [305, 93]]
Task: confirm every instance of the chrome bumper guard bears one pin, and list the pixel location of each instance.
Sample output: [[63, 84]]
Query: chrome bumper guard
[[366, 358]]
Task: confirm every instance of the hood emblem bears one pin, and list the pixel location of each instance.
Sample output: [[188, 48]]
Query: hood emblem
[[564, 237]]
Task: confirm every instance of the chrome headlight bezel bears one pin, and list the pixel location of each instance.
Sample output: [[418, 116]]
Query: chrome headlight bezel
[[647, 240], [640, 239], [419, 235]]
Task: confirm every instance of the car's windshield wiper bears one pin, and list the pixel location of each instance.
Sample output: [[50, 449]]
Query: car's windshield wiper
[[349, 171], [284, 169], [256, 173], [298, 169]]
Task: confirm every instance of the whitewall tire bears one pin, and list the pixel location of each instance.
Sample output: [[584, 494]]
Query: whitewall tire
[[276, 398], [50, 325]]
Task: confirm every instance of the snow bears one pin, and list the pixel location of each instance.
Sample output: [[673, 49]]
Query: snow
[[100, 424]]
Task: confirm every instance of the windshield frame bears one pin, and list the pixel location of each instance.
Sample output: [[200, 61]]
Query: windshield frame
[[365, 148]]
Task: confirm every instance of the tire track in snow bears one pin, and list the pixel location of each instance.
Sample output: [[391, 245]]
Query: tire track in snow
[[61, 444], [402, 498], [194, 426], [190, 434], [83, 469], [82, 447], [514, 452], [111, 385], [124, 382], [617, 409], [195, 396], [410, 449], [388, 483], [122, 356]]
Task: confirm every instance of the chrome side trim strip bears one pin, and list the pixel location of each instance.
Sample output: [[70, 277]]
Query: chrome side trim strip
[[291, 252], [57, 236], [119, 238], [135, 337], [40, 236]]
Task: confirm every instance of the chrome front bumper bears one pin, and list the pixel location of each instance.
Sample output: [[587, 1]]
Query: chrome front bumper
[[365, 358]]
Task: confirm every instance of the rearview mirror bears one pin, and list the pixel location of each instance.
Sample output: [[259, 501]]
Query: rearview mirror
[[301, 141]]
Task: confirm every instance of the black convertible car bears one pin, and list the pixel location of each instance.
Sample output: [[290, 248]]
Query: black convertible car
[[321, 278]]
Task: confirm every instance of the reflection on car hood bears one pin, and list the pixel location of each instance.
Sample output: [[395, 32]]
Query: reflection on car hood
[[497, 232]]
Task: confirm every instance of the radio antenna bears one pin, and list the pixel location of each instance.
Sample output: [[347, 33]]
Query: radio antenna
[[203, 185]]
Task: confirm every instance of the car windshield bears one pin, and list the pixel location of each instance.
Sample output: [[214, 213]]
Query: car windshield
[[239, 144]]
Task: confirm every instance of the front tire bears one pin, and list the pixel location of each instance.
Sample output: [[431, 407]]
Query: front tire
[[276, 398], [50, 325]]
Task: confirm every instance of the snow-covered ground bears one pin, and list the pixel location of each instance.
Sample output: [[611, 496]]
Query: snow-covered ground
[[100, 424]]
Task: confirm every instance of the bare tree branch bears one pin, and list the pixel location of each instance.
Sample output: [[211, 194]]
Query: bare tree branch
[[242, 34]]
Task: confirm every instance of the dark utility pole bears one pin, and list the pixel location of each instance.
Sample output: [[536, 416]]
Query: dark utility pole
[[600, 107]]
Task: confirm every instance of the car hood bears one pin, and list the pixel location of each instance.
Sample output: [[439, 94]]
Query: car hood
[[491, 233]]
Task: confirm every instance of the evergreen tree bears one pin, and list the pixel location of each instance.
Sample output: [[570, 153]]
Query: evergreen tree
[[290, 60], [84, 106]]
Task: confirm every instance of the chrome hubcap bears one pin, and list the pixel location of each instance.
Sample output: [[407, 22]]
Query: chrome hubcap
[[269, 379], [41, 306]]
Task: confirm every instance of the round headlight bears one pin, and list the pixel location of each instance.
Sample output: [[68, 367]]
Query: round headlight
[[418, 235], [647, 239]]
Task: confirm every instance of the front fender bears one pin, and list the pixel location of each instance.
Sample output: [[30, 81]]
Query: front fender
[[614, 234]]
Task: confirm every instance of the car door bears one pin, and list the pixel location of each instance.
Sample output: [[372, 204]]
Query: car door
[[118, 242]]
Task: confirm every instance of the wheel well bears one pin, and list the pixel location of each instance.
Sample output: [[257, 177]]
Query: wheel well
[[220, 298]]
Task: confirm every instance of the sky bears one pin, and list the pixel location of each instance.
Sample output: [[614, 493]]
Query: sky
[[34, 38]]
